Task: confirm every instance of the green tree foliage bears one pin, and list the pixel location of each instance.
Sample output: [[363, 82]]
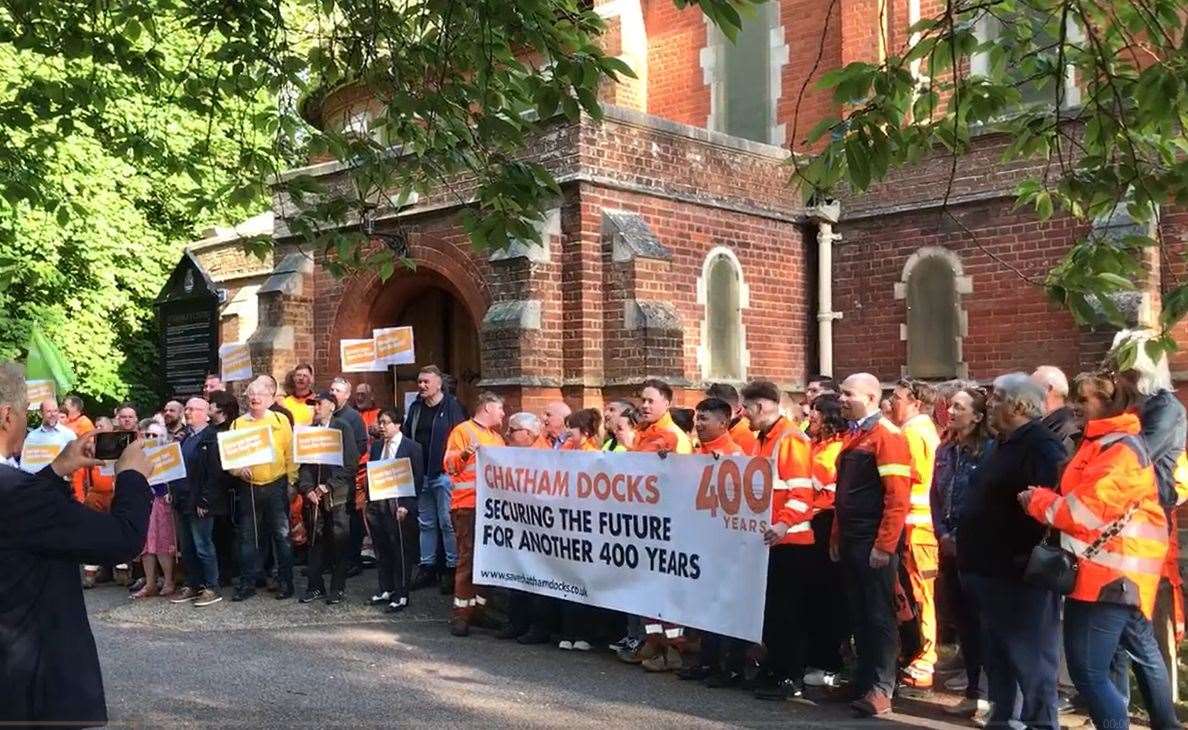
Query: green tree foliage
[[103, 176], [1119, 143], [127, 123]]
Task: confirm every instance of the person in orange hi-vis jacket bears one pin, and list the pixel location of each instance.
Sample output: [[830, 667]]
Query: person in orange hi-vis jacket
[[460, 462], [789, 538], [827, 431], [720, 659], [741, 432], [874, 480], [911, 403], [1109, 516], [657, 432], [584, 427]]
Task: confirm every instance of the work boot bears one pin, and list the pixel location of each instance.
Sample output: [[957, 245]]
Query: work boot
[[534, 635], [696, 672], [780, 690], [724, 679], [667, 660], [424, 578], [872, 704], [242, 593], [186, 595]]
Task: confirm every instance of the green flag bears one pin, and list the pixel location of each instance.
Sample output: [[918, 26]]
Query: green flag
[[46, 363]]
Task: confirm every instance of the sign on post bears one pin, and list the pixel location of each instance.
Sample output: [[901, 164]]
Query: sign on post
[[678, 539], [358, 356], [236, 362], [390, 478], [317, 445], [38, 391], [246, 447], [394, 345]]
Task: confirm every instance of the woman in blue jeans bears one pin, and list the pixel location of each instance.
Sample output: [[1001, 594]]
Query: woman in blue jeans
[[967, 444], [1109, 517]]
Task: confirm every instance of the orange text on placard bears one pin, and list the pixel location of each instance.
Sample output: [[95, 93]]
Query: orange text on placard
[[251, 441], [313, 443], [393, 343]]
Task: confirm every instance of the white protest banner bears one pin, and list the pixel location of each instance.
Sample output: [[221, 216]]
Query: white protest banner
[[317, 445], [358, 356], [390, 478], [409, 398], [236, 362], [245, 447], [167, 463], [678, 539], [38, 391], [394, 345], [35, 456]]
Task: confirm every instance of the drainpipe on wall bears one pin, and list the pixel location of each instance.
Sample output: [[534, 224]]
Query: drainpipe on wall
[[825, 215]]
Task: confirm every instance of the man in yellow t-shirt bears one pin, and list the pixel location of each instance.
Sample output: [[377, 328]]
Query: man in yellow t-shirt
[[263, 497], [300, 395]]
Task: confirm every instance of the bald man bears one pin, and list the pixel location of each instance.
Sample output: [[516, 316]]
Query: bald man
[[50, 432], [874, 480], [1059, 417], [554, 417]]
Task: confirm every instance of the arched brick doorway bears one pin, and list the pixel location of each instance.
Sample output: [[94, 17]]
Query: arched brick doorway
[[444, 331]]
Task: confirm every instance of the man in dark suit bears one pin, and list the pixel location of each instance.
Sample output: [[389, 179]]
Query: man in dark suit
[[393, 522], [47, 653]]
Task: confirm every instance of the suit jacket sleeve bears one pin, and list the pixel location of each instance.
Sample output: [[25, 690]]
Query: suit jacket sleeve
[[43, 519]]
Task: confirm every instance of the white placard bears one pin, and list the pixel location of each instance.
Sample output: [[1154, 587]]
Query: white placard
[[394, 345], [390, 478], [244, 447], [358, 356], [678, 539], [167, 463], [317, 445], [236, 362]]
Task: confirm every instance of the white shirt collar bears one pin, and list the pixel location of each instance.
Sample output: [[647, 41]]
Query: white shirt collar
[[395, 442], [9, 461]]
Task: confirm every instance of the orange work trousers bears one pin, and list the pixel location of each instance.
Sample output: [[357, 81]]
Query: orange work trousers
[[921, 563]]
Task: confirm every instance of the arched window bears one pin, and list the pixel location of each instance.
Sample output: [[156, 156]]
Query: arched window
[[932, 284], [744, 76], [723, 347]]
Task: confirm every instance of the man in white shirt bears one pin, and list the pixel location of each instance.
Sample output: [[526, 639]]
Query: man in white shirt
[[50, 432]]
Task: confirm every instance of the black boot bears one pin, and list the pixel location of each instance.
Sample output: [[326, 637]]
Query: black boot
[[424, 578], [447, 582]]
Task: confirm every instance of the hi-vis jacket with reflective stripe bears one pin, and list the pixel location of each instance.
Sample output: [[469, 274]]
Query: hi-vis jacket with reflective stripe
[[874, 481], [792, 481], [663, 435], [825, 455], [922, 440], [1109, 473], [461, 470]]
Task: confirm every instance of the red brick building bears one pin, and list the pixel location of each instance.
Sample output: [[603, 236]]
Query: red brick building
[[677, 248]]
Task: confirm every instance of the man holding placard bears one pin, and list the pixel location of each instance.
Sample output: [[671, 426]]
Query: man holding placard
[[46, 441], [328, 489], [392, 521], [258, 450]]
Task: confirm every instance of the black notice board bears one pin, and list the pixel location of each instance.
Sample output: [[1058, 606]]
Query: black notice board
[[188, 321]]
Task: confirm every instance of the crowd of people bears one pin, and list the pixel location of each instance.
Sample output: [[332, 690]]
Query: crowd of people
[[899, 517]]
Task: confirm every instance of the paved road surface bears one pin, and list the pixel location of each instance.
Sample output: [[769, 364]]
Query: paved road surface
[[265, 663]]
